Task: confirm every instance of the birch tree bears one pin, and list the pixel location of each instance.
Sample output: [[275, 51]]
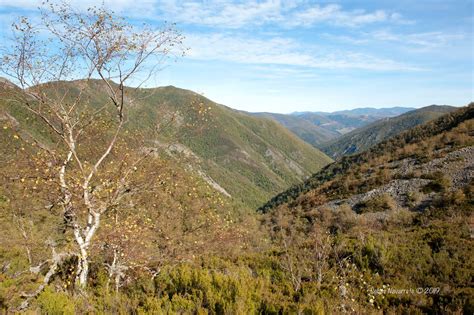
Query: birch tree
[[89, 45]]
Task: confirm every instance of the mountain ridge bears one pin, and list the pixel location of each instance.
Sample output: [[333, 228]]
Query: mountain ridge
[[248, 157], [363, 138], [383, 111], [445, 122], [318, 128]]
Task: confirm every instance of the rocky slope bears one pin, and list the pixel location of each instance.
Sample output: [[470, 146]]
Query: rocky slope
[[400, 215]]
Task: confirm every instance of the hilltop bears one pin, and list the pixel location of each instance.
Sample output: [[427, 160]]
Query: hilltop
[[250, 158]]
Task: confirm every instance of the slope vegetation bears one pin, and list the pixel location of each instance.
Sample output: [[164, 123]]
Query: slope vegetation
[[250, 158], [397, 216]]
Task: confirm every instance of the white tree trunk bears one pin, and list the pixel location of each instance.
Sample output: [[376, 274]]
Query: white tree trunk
[[83, 243], [83, 265]]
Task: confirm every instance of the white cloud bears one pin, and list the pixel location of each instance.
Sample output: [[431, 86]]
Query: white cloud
[[354, 40], [427, 40], [33, 4], [334, 14], [415, 41], [282, 51], [126, 7], [228, 14], [233, 14], [222, 13]]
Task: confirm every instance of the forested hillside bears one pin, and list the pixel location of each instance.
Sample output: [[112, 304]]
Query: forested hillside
[[121, 199], [247, 158]]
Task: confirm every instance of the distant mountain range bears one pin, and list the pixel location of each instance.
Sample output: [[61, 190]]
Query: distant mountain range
[[320, 127], [350, 131], [369, 135], [339, 123], [367, 111], [310, 131]]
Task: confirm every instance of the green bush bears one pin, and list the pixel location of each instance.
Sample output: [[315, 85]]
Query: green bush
[[413, 198], [439, 183], [55, 303], [377, 204]]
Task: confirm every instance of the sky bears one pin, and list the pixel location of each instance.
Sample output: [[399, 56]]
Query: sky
[[299, 55]]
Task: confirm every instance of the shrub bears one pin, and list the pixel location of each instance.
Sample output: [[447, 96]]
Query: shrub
[[343, 220], [402, 217], [413, 198], [53, 303], [380, 203], [439, 183]]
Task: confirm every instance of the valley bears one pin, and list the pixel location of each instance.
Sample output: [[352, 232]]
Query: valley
[[214, 166], [121, 193]]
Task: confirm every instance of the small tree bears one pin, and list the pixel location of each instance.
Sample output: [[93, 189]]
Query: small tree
[[93, 44]]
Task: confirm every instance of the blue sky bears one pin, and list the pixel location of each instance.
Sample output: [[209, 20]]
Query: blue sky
[[285, 56]]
